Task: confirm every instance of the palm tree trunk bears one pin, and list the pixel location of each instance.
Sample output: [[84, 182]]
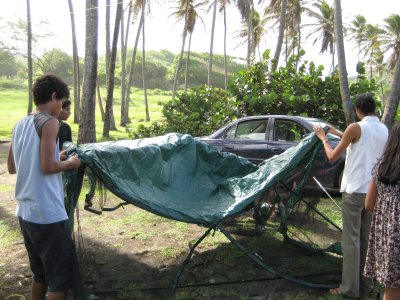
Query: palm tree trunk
[[108, 42], [30, 65], [76, 72], [181, 54], [282, 25], [100, 102], [187, 62], [146, 104], [225, 58], [210, 58], [392, 103], [124, 49], [87, 124], [249, 33], [130, 76], [343, 81], [110, 84]]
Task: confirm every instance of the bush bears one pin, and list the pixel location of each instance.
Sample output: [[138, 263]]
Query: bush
[[198, 112], [12, 84]]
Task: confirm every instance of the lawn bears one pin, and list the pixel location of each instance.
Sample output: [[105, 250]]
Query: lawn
[[14, 106]]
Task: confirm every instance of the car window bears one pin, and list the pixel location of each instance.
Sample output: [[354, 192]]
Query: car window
[[250, 130], [289, 131]]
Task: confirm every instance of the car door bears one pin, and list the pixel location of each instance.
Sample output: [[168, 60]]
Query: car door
[[248, 139]]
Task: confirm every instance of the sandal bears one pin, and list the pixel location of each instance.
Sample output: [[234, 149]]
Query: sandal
[[335, 291]]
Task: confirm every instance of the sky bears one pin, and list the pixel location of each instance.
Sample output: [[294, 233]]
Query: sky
[[163, 32]]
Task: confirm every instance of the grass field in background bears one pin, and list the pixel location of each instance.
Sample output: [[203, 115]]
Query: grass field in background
[[14, 106]]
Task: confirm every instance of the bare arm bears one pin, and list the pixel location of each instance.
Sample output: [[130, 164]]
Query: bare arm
[[370, 199], [10, 162], [334, 131], [351, 135], [48, 162]]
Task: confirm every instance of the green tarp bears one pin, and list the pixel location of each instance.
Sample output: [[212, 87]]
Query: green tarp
[[182, 178]]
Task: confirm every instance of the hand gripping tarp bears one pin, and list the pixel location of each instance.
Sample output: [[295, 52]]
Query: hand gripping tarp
[[184, 179], [181, 178]]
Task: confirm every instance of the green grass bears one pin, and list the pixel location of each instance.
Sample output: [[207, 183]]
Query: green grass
[[8, 236], [15, 106], [4, 188]]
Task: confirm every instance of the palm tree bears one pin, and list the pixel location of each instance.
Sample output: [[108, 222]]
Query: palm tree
[[246, 8], [124, 50], [294, 10], [188, 12], [390, 39], [282, 25], [190, 28], [111, 68], [222, 9], [108, 37], [394, 97], [30, 68], [357, 31], [258, 25], [210, 60], [371, 44], [87, 125], [324, 27], [343, 80], [77, 84], [136, 8], [146, 103]]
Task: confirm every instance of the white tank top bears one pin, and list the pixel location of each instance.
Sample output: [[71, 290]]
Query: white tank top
[[40, 196], [362, 156]]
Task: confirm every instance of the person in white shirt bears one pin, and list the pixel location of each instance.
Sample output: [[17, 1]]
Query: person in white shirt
[[34, 156], [363, 142]]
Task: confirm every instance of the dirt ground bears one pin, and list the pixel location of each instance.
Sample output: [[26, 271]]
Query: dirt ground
[[119, 260]]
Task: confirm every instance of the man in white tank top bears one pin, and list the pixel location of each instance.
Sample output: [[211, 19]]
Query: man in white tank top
[[363, 142], [34, 156]]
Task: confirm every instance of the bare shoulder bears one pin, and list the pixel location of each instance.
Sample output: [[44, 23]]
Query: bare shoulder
[[353, 132]]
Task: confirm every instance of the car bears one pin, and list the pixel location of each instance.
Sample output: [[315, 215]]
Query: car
[[257, 138]]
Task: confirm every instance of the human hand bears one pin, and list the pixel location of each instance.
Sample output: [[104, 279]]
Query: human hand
[[319, 132], [63, 155], [74, 161]]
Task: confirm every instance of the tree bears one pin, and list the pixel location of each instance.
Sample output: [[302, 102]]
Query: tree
[[76, 72], [184, 6], [324, 27], [124, 48], [343, 81], [394, 97], [246, 11], [357, 31], [210, 58], [136, 7], [8, 64], [222, 9], [371, 44], [87, 124], [282, 25], [110, 83], [390, 39], [146, 103], [57, 62], [30, 68]]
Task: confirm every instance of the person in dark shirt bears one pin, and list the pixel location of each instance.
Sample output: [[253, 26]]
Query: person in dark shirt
[[64, 133]]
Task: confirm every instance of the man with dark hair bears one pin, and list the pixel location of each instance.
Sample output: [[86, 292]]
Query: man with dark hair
[[64, 133], [34, 156], [363, 142]]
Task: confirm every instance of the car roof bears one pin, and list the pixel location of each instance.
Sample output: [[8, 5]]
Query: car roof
[[309, 120]]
